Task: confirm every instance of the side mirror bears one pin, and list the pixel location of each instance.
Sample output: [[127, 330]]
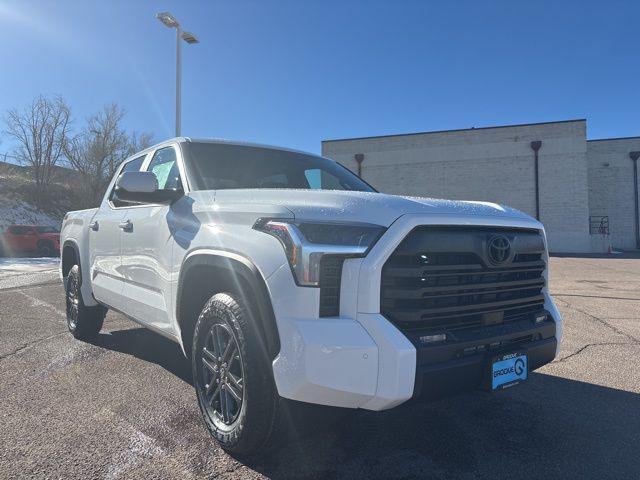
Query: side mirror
[[142, 187], [137, 182]]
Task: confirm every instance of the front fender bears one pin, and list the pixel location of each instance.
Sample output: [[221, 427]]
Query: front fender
[[246, 279]]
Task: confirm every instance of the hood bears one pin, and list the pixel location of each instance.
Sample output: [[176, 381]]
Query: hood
[[367, 207]]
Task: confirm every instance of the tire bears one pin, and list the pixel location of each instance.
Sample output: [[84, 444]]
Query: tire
[[247, 425], [84, 322], [45, 249]]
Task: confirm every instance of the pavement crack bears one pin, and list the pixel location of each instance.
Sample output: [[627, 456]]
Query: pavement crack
[[595, 296], [600, 320], [589, 345], [25, 346]]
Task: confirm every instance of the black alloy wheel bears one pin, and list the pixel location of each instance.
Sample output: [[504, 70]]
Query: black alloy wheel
[[73, 301], [222, 384]]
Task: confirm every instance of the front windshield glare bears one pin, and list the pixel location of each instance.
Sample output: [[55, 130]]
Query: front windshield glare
[[213, 166]]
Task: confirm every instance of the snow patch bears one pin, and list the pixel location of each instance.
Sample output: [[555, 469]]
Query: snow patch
[[142, 448], [15, 211], [29, 263]]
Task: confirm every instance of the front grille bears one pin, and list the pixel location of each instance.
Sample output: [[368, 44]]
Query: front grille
[[442, 278]]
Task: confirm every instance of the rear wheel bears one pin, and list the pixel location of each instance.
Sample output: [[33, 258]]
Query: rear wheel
[[83, 322], [45, 249], [232, 376]]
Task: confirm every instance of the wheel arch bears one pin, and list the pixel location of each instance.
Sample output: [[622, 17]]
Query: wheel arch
[[205, 273], [69, 257]]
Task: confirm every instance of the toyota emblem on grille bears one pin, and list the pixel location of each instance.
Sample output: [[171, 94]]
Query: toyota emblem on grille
[[499, 249]]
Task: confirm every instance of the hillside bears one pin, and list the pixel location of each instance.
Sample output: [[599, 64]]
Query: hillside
[[16, 194]]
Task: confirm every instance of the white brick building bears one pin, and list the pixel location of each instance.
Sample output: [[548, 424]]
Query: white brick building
[[578, 180]]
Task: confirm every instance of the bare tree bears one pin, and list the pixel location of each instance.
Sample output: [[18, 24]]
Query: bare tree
[[40, 132], [139, 142], [99, 148]]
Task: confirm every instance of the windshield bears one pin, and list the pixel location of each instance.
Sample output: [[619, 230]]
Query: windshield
[[214, 166], [47, 230]]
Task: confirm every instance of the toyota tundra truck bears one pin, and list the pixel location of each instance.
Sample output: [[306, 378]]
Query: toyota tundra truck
[[283, 275]]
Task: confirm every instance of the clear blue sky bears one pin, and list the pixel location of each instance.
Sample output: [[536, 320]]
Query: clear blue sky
[[293, 73]]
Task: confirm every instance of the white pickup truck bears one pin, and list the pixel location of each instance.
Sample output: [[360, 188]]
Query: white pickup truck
[[281, 274]]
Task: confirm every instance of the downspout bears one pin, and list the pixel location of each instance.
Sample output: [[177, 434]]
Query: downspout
[[359, 158], [634, 157], [535, 146]]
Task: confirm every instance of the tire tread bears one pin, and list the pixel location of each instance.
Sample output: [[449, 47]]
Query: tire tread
[[90, 319], [255, 425]]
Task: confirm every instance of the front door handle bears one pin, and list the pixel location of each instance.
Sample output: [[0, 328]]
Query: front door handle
[[95, 226], [126, 226]]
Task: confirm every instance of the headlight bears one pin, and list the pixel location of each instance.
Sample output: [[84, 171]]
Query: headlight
[[306, 243]]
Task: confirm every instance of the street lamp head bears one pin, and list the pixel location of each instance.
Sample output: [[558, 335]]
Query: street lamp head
[[168, 19], [189, 38]]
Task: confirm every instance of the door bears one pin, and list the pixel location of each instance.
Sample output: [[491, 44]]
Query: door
[[147, 248], [104, 248], [105, 245]]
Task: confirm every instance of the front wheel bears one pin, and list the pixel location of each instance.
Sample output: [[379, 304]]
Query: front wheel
[[232, 376], [84, 322]]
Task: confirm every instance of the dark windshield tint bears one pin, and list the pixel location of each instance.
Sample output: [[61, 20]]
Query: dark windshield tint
[[47, 230], [20, 230], [213, 166]]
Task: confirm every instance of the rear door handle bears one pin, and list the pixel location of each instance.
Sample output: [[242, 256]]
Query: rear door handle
[[126, 226], [95, 226]]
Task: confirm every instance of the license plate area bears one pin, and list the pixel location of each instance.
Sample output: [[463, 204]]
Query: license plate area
[[508, 369]]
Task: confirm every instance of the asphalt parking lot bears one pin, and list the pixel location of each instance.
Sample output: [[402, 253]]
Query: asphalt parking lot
[[124, 407]]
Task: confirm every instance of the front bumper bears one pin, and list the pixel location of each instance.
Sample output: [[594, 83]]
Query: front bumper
[[368, 363], [455, 367], [360, 359]]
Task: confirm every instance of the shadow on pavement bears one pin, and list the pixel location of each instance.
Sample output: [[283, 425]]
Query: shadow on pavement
[[148, 346], [549, 427]]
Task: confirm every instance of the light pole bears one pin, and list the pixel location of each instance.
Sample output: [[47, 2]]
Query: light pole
[[171, 22]]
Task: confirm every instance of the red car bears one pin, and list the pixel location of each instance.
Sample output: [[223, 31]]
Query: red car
[[41, 239]]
